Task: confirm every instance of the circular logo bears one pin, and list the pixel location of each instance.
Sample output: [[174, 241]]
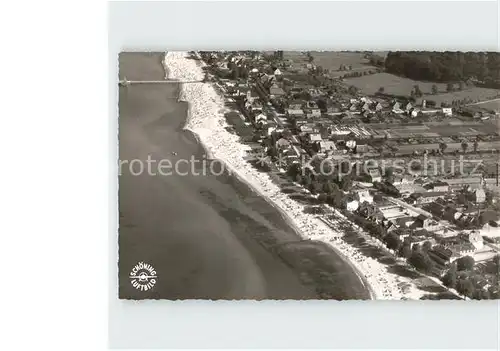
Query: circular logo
[[143, 276]]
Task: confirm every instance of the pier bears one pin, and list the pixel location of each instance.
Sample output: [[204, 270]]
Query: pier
[[125, 82]]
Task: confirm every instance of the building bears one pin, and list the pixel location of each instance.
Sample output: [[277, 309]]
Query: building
[[363, 195], [437, 186], [396, 108], [252, 95], [415, 112], [476, 240], [479, 195], [315, 112], [352, 205], [282, 143], [442, 255], [295, 113], [296, 105], [326, 145], [462, 249], [276, 91], [261, 119], [403, 179], [460, 183], [447, 111], [427, 197], [315, 137], [375, 175], [426, 223], [361, 148]]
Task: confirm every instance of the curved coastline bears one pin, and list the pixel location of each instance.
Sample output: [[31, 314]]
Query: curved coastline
[[206, 236], [196, 128]]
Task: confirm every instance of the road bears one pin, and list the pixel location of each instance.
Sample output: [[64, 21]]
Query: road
[[483, 102]]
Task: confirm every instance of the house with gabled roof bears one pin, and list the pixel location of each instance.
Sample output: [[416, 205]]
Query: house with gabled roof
[[314, 137], [375, 175], [327, 146], [276, 91], [396, 108], [261, 119]]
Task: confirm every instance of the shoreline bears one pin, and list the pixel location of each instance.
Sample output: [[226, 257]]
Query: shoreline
[[209, 129]]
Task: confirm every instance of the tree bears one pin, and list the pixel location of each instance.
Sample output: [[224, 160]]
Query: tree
[[418, 92], [322, 197], [317, 187], [337, 199], [352, 90], [389, 175], [465, 263], [310, 57], [427, 246], [393, 242], [235, 74], [421, 260], [330, 187], [322, 105], [298, 178], [294, 170], [434, 89], [405, 250], [442, 147], [464, 146], [346, 183], [450, 278], [449, 87], [475, 145], [272, 152], [465, 287], [460, 85], [484, 295], [496, 262], [381, 90], [306, 180]]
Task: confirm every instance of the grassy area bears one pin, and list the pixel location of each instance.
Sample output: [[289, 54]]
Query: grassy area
[[333, 60], [395, 85], [392, 84]]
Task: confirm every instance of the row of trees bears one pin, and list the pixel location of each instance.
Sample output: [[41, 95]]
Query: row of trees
[[444, 66]]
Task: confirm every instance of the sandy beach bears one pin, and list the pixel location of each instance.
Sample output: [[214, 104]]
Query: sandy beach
[[206, 119]]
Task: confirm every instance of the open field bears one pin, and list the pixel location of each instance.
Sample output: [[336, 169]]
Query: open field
[[395, 85], [296, 56], [392, 84], [333, 60]]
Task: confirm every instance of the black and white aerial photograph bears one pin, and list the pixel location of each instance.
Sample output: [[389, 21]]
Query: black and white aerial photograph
[[309, 175]]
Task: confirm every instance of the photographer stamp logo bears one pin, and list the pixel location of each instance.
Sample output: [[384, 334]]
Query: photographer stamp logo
[[143, 276]]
